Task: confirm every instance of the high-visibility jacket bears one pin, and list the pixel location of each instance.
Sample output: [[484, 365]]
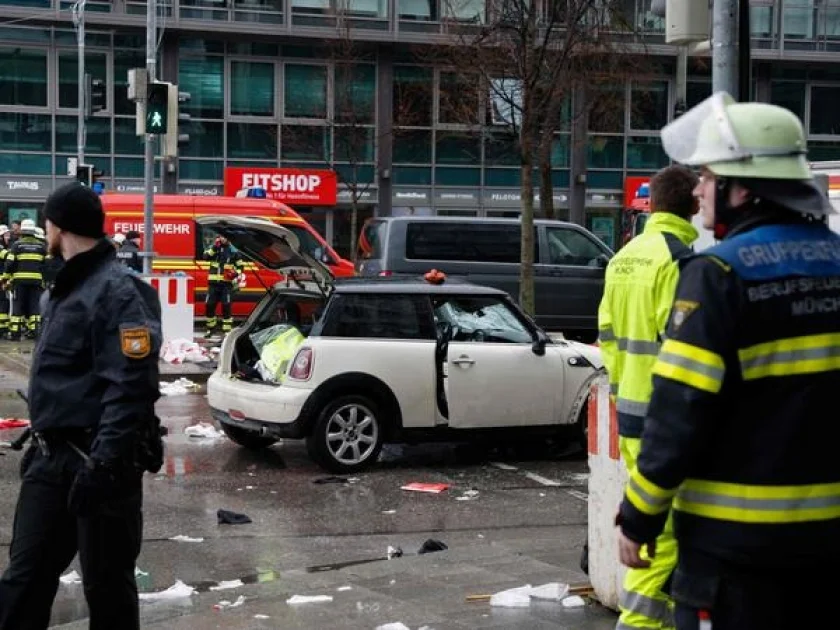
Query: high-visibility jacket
[[638, 294], [741, 434], [4, 252], [25, 261], [225, 265]]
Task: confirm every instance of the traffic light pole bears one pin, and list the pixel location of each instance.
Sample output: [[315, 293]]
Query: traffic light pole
[[79, 21], [149, 166]]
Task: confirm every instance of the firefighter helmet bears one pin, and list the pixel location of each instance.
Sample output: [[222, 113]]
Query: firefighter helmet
[[27, 226], [4, 229]]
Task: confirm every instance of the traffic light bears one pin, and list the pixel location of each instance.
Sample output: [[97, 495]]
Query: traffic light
[[176, 121], [157, 108], [95, 97], [89, 176]]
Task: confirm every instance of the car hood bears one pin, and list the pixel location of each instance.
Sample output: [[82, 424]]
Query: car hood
[[268, 244], [589, 352]]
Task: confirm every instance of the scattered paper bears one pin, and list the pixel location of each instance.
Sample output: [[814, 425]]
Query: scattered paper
[[469, 495], [203, 430], [249, 487], [575, 601], [394, 552], [418, 486], [180, 387], [553, 591], [341, 589], [519, 597], [138, 572], [222, 605], [308, 599], [179, 590], [182, 538], [71, 578], [261, 617], [227, 584], [503, 466], [389, 511], [177, 351], [393, 626]]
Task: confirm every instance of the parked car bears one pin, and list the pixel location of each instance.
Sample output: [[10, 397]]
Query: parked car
[[390, 360], [569, 261]]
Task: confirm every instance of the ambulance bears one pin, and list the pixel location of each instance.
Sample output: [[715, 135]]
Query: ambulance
[[179, 242]]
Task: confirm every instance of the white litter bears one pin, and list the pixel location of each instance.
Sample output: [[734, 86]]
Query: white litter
[[519, 597], [261, 617], [469, 495], [177, 351], [179, 590], [575, 601], [178, 388], [138, 572], [503, 466], [393, 626], [189, 539], [71, 578], [341, 589], [227, 584], [308, 599], [203, 430], [249, 487], [389, 511], [393, 552], [222, 605], [553, 591]]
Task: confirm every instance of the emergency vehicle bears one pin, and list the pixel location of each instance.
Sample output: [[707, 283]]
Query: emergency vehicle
[[828, 175], [179, 242]]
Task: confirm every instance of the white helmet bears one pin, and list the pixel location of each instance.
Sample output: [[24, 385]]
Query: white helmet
[[27, 226], [4, 229], [39, 232], [119, 238]]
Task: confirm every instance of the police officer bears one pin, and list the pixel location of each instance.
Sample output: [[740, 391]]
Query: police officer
[[5, 304], [741, 432], [129, 252], [225, 266], [24, 269], [93, 386], [638, 293]]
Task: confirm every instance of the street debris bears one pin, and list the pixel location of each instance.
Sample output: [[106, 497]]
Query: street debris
[[71, 578], [203, 430], [341, 589], [226, 517], [179, 590], [13, 423], [419, 486], [432, 545], [521, 596], [227, 584], [261, 617], [575, 601], [224, 604], [294, 600], [389, 511], [394, 552], [188, 539], [552, 592], [330, 479], [181, 387], [503, 466], [138, 572], [177, 351], [469, 495], [393, 626]]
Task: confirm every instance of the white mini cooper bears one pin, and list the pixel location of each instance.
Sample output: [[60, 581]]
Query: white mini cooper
[[389, 360]]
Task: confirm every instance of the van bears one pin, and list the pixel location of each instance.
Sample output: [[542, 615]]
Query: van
[[179, 243], [569, 261]]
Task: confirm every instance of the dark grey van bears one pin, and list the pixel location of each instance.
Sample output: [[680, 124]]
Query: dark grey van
[[568, 270]]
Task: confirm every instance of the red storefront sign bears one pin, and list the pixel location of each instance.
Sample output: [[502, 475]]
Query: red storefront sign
[[294, 186], [631, 185]]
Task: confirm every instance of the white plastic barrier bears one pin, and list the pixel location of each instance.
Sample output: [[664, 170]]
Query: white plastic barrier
[[177, 304], [607, 478]]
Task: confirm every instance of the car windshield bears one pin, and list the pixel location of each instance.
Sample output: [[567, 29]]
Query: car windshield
[[309, 243], [481, 319]]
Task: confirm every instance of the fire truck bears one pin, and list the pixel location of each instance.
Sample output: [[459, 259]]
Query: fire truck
[[179, 243]]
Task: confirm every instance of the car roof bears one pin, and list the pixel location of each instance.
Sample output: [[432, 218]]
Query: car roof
[[450, 286], [501, 220]]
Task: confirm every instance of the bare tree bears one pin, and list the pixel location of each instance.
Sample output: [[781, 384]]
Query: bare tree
[[531, 55]]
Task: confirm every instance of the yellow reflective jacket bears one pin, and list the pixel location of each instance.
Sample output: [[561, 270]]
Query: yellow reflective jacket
[[638, 294]]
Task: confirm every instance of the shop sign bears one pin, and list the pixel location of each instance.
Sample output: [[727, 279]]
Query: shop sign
[[294, 186], [410, 196], [25, 187]]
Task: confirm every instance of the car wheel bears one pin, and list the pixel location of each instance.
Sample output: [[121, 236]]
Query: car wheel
[[347, 435], [249, 439], [582, 426]]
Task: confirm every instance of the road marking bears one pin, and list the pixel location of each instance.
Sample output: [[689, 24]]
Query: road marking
[[543, 480], [503, 466], [579, 495]]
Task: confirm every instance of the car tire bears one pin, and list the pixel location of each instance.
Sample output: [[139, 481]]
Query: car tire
[[347, 436], [582, 427], [249, 439]]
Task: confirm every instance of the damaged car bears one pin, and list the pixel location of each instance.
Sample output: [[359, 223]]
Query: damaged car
[[353, 364]]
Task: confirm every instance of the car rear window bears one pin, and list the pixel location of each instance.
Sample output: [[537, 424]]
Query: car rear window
[[386, 316], [370, 241], [468, 242]]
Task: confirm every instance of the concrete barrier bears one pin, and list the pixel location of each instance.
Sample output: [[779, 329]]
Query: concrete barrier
[[607, 478], [177, 304]]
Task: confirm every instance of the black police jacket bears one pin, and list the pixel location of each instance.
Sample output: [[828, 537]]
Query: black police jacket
[[95, 365], [129, 255], [741, 434]]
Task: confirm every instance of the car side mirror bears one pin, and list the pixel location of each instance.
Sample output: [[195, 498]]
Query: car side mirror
[[538, 347], [602, 261]]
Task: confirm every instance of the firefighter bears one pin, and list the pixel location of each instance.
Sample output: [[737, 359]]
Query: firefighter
[[225, 268], [24, 270], [129, 251], [638, 294], [741, 432], [5, 304]]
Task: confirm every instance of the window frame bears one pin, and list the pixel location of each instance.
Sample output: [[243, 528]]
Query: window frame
[[51, 79]]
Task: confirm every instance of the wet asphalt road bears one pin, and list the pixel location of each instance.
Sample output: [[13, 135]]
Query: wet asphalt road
[[526, 525]]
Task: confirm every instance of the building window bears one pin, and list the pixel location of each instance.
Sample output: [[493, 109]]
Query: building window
[[413, 147], [206, 139], [23, 77], [126, 141], [458, 99], [824, 119], [25, 164], [130, 167], [502, 150], [605, 152], [420, 10], [465, 10], [258, 142], [606, 111], [68, 75], [305, 143], [125, 60], [25, 132], [200, 169], [649, 105], [98, 138], [799, 19], [696, 92], [560, 151], [823, 151], [412, 96], [457, 148], [457, 176], [790, 95], [354, 144], [355, 93], [305, 90], [646, 152], [251, 88], [204, 79]]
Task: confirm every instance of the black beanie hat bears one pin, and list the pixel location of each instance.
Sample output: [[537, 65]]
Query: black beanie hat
[[76, 209]]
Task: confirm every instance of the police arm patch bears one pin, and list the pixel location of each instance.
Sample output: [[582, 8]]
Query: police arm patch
[[681, 312], [136, 342]]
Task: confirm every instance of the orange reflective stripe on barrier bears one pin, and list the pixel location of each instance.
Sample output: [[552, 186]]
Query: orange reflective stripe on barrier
[[602, 419]]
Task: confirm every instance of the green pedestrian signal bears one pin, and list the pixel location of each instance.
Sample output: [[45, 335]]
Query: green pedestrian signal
[[157, 106]]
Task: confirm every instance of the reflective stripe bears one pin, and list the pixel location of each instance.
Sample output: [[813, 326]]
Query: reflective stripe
[[633, 407], [798, 355], [27, 275], [646, 496], [759, 504], [654, 609], [693, 366], [606, 334], [637, 346], [36, 257]]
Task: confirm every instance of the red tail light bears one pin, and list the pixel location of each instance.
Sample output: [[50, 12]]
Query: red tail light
[[386, 274], [301, 368]]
